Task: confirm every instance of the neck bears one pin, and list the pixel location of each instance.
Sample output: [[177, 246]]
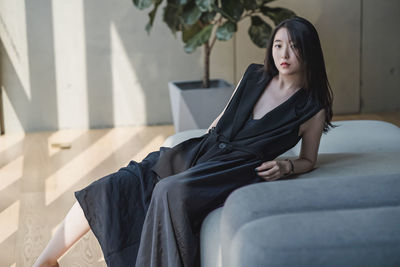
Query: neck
[[289, 82]]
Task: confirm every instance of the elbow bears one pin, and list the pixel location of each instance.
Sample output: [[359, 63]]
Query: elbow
[[310, 164], [312, 167]]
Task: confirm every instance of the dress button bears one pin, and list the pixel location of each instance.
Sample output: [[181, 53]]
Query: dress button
[[222, 145]]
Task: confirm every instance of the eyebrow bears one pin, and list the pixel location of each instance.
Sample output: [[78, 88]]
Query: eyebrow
[[281, 41]]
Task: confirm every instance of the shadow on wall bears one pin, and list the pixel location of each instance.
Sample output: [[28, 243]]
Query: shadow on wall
[[91, 64], [41, 104]]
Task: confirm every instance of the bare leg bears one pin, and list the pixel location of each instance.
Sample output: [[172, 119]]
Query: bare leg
[[71, 230]]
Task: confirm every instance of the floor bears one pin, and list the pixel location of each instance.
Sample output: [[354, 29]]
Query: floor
[[40, 171]]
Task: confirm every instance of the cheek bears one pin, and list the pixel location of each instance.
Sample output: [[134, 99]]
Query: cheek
[[298, 64], [297, 60], [274, 56]]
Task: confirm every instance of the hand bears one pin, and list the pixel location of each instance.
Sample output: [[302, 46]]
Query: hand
[[271, 170]]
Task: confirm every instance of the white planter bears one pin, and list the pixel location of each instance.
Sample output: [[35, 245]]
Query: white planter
[[194, 107]]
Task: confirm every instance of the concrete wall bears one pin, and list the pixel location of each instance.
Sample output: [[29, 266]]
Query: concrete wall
[[81, 64], [90, 64], [380, 64]]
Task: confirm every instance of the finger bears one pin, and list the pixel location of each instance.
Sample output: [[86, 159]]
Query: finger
[[269, 172], [264, 166]]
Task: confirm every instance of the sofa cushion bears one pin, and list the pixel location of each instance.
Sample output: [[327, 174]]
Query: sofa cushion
[[359, 136], [265, 199], [354, 237], [210, 245]]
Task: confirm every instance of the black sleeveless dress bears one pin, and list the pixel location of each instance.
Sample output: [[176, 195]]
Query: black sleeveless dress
[[149, 213]]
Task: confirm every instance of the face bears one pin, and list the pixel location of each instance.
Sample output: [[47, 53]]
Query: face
[[284, 51]]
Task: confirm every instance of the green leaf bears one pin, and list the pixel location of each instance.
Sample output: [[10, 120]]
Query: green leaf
[[226, 31], [224, 14], [198, 39], [172, 18], [142, 4], [233, 8], [250, 4], [266, 1], [189, 31], [207, 17], [254, 4], [259, 31], [191, 14], [277, 14], [152, 15], [205, 5]]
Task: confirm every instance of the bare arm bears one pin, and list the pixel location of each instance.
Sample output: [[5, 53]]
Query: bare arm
[[214, 123], [309, 144], [273, 170]]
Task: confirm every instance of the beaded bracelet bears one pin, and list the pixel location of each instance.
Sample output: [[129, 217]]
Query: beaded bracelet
[[291, 167]]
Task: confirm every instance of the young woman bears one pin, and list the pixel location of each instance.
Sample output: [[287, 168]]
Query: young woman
[[150, 213]]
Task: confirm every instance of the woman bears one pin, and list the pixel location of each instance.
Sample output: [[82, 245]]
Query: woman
[[150, 213]]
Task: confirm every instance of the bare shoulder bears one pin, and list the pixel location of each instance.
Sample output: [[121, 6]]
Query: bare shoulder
[[315, 122]]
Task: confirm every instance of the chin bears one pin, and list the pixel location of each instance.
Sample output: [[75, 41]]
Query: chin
[[287, 72]]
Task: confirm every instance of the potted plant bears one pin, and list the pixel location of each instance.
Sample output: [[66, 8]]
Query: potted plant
[[201, 23]]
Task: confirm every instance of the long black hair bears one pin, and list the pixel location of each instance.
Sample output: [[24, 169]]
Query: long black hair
[[306, 39]]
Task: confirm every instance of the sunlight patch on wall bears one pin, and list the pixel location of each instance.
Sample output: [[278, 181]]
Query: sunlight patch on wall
[[128, 97], [14, 38], [13, 123], [70, 63]]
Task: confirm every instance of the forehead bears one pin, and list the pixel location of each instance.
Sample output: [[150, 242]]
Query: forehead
[[282, 35]]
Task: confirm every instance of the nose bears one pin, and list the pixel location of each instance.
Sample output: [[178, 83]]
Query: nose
[[285, 52]]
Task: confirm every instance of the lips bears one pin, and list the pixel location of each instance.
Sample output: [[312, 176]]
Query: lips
[[285, 64]]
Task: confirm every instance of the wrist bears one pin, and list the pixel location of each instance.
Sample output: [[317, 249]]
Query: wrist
[[289, 167]]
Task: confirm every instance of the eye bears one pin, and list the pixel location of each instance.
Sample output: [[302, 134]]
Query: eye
[[277, 45]]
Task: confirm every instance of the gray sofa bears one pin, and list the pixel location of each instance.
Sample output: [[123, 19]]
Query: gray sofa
[[347, 214]]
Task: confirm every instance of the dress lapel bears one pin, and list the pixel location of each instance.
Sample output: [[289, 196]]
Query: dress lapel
[[251, 93]]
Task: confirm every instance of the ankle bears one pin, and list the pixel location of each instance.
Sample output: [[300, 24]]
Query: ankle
[[48, 263]]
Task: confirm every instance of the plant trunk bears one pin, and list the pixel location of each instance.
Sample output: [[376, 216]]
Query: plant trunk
[[206, 77]]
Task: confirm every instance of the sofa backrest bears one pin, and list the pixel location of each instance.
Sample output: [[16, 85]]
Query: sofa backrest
[[356, 147]]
